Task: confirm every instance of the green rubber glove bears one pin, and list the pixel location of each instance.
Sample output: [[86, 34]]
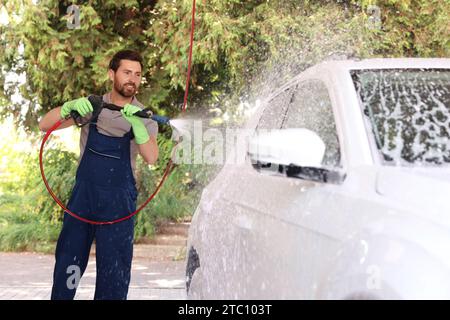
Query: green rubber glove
[[139, 129], [81, 105]]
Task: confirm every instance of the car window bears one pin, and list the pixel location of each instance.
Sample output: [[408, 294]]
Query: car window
[[275, 110], [310, 108]]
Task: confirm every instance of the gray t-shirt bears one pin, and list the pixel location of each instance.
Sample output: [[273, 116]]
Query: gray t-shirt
[[111, 123]]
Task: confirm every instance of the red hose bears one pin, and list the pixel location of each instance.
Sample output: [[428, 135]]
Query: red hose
[[169, 164], [191, 41]]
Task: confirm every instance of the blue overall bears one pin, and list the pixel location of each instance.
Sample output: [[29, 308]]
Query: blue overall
[[105, 190]]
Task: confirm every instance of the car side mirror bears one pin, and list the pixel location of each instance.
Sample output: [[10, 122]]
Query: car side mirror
[[300, 147], [293, 152]]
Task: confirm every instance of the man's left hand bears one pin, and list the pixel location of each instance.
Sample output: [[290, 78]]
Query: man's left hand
[[139, 129]]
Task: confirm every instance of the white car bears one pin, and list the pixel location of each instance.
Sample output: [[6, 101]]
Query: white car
[[345, 193]]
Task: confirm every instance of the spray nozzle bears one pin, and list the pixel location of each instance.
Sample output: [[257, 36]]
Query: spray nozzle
[[160, 119]]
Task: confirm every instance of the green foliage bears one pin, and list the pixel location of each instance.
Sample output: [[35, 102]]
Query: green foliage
[[412, 27], [21, 230], [60, 168], [233, 41], [178, 196], [29, 218]]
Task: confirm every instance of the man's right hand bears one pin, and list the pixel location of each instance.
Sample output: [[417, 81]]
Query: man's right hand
[[81, 105]]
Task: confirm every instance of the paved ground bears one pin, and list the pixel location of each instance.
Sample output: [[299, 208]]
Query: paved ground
[[28, 276]]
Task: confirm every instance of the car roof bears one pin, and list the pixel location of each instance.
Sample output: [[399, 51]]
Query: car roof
[[340, 68], [385, 63]]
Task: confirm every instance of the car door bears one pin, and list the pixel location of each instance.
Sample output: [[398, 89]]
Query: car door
[[280, 224]]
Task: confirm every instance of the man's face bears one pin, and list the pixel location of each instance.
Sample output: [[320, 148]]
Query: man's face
[[127, 78]]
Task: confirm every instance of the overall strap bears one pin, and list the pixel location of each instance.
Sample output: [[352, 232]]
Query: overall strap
[[97, 105]]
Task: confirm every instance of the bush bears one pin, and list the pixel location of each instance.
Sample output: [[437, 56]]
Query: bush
[[31, 220], [178, 196], [411, 27]]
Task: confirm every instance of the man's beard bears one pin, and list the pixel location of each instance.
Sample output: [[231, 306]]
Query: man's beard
[[124, 90]]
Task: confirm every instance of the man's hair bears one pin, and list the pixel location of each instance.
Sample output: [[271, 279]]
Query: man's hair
[[124, 55]]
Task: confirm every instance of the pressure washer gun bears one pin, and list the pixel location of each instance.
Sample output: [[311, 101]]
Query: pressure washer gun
[[98, 104]]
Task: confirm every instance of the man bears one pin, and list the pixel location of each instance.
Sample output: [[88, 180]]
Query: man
[[105, 185]]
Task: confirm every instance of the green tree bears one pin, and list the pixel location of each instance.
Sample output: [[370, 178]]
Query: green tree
[[234, 40], [411, 27]]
